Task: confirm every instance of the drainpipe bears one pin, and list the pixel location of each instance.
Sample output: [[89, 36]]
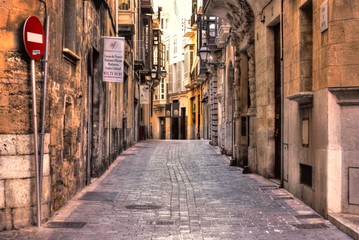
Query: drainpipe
[[282, 98], [43, 113], [89, 116], [41, 156], [116, 17], [109, 125]]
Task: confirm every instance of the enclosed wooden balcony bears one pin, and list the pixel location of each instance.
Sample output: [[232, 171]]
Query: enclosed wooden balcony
[[126, 18], [146, 7]]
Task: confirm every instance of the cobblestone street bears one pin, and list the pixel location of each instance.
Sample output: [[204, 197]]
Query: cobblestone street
[[181, 190]]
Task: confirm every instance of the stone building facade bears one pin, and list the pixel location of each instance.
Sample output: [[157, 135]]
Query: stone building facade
[[291, 87], [88, 122]]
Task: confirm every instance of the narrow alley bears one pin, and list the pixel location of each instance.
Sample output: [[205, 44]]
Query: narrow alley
[[184, 189]]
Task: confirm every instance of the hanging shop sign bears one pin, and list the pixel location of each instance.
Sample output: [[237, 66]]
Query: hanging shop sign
[[144, 94], [175, 109], [113, 58], [168, 110]]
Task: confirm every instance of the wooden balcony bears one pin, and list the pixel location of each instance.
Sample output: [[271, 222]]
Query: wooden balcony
[[126, 22], [146, 6]]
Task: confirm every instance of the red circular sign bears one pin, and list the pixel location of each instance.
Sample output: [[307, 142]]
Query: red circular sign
[[34, 37]]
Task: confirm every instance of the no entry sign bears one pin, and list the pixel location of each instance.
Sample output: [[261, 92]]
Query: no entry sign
[[34, 37]]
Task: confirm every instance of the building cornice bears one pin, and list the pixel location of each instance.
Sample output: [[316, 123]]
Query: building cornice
[[346, 96]]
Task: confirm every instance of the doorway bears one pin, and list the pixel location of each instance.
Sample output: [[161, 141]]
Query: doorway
[[174, 128], [162, 127], [183, 123], [277, 101]]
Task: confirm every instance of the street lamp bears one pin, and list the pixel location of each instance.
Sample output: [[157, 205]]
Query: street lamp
[[206, 55], [153, 73], [153, 76], [163, 72]]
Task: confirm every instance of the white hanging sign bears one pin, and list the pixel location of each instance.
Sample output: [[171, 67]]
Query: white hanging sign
[[144, 94], [113, 58]]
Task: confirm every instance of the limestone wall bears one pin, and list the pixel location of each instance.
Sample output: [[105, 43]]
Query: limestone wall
[[66, 107], [18, 181]]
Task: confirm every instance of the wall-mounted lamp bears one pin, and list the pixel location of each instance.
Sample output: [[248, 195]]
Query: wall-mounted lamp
[[153, 73], [163, 72], [153, 76], [205, 55]]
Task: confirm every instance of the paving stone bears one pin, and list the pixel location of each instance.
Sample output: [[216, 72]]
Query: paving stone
[[182, 190]]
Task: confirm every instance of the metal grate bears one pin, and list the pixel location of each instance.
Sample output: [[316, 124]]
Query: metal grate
[[128, 154], [283, 198], [267, 187], [310, 226], [143, 207], [99, 196], [162, 222], [306, 216], [65, 224], [212, 165]]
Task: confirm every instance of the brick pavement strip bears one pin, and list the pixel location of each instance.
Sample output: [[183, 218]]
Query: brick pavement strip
[[181, 190]]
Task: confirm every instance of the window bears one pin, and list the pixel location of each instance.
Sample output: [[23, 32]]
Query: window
[[162, 89], [306, 174], [174, 78], [70, 23], [170, 79], [305, 132], [188, 62], [155, 55], [175, 45], [179, 77], [70, 31], [193, 104], [212, 30], [306, 46], [124, 4]]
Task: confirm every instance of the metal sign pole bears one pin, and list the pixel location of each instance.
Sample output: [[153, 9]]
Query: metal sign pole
[[36, 152], [34, 39]]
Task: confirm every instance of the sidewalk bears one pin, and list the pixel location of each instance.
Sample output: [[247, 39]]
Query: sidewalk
[[348, 223], [181, 190]]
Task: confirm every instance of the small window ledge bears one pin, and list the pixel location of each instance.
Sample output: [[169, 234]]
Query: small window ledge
[[304, 99], [70, 55]]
